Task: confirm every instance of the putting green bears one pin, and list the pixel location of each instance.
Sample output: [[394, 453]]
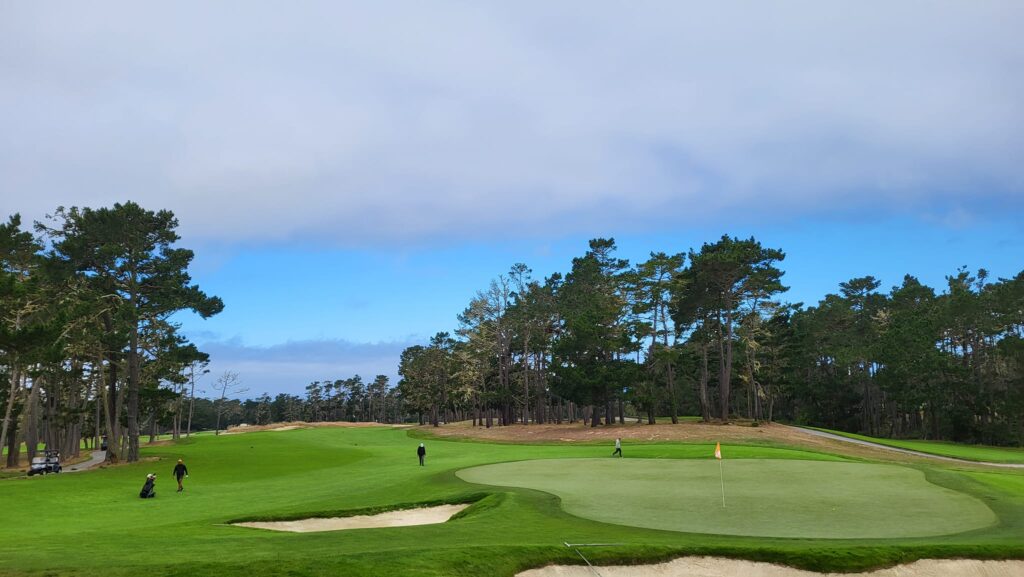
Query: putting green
[[764, 498]]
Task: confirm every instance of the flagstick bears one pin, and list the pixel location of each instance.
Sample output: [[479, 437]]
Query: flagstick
[[722, 476]]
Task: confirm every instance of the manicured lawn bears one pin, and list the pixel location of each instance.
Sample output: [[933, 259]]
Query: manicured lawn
[[982, 453], [93, 523], [768, 498]]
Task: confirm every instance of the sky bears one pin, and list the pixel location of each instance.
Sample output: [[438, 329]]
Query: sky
[[349, 174]]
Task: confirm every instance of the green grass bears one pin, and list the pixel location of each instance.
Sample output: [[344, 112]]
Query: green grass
[[94, 523], [42, 446], [982, 453], [767, 498]]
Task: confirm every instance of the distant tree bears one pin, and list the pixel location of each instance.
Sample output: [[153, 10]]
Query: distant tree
[[196, 367], [722, 279], [228, 383], [22, 320], [649, 285], [378, 392], [314, 401], [263, 410], [592, 335]]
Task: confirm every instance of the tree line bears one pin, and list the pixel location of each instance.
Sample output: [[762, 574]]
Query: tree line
[[351, 400], [88, 345], [89, 349], [707, 333]]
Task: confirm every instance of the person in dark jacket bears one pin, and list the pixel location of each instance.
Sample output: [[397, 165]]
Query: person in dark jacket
[[149, 489], [422, 452], [180, 472]]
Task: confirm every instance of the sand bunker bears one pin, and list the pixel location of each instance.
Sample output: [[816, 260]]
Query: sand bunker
[[404, 518], [717, 567]]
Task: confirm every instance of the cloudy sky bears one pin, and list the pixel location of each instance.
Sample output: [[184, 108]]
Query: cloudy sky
[[349, 174]]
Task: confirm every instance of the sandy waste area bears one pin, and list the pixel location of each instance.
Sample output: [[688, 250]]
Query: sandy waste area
[[404, 518], [718, 567], [292, 425]]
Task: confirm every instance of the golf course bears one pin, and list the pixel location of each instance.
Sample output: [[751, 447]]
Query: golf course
[[815, 507]]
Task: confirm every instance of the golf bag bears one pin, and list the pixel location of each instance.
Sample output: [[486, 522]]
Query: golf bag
[[148, 490]]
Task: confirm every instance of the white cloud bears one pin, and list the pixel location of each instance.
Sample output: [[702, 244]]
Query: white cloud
[[365, 123]]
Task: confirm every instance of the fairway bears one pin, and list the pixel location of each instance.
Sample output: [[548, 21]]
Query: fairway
[[328, 472], [765, 498]]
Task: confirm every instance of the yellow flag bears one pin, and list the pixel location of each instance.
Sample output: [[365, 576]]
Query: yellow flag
[[718, 450]]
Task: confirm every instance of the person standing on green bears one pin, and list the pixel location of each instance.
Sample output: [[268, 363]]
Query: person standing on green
[[180, 472], [618, 448], [421, 451]]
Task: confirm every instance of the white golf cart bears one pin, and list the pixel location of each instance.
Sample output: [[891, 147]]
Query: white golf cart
[[48, 463]]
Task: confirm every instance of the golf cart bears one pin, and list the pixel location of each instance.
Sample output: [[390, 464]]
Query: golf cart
[[49, 463]]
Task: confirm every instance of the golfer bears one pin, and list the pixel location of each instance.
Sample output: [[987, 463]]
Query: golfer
[[618, 447], [180, 472], [422, 452], [149, 489]]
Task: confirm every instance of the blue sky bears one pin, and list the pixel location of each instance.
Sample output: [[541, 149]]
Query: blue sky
[[343, 312], [350, 173], [298, 293]]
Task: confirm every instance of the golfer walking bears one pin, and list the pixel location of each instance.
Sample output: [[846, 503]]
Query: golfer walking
[[180, 472], [618, 447], [421, 451]]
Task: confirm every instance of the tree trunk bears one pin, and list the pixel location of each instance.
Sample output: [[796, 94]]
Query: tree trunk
[[725, 379], [97, 396], [220, 409], [541, 396], [112, 413], [12, 396], [755, 402], [672, 401], [31, 421], [191, 401], [133, 394], [176, 423], [526, 381], [114, 400], [13, 447], [152, 427], [705, 404]]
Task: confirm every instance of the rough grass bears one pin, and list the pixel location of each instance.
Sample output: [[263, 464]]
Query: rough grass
[[93, 523], [981, 453]]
